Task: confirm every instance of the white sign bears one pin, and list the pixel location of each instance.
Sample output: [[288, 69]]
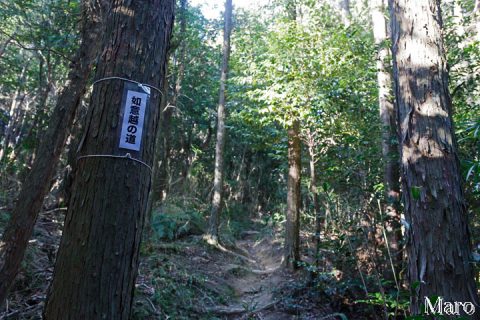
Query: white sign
[[133, 118]]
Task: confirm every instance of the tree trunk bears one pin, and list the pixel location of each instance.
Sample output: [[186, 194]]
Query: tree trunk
[[36, 131], [30, 199], [220, 145], [16, 129], [185, 157], [97, 260], [476, 12], [292, 237], [162, 169], [314, 191], [391, 169], [160, 164], [4, 46], [182, 52], [458, 18], [292, 226], [14, 105], [13, 133], [163, 176], [345, 11], [178, 89], [438, 247], [73, 142]]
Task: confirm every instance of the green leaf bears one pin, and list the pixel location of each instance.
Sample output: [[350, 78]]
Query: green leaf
[[415, 285], [416, 193]]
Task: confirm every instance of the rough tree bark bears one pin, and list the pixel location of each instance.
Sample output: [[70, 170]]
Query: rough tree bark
[[97, 260], [216, 210], [438, 245], [30, 200], [391, 168]]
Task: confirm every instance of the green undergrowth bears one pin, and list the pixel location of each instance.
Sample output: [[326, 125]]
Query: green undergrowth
[[180, 275], [237, 219], [175, 282], [171, 221], [177, 219]]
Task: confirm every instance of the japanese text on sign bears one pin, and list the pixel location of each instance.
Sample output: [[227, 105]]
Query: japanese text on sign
[[133, 118]]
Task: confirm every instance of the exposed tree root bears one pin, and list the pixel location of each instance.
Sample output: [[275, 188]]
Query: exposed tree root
[[233, 267], [226, 311], [214, 243], [245, 234], [333, 316]]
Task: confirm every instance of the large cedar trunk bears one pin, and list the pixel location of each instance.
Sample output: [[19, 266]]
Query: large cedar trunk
[[97, 260], [390, 152], [30, 200], [292, 237], [220, 145], [438, 244]]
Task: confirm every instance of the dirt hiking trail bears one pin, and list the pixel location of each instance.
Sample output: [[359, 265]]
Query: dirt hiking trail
[[257, 284]]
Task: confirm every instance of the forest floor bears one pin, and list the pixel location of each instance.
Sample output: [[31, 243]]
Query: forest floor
[[246, 281], [190, 279], [258, 282], [187, 278]]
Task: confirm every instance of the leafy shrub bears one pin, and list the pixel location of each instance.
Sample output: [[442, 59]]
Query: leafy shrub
[[173, 223]]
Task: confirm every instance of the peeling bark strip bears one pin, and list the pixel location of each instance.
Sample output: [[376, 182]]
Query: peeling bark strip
[[97, 260], [438, 247], [20, 227]]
